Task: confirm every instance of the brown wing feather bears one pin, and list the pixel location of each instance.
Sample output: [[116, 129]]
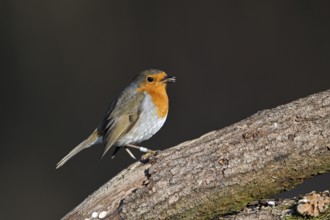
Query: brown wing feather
[[120, 120], [117, 130]]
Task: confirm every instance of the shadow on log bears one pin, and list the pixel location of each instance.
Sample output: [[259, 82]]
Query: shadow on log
[[219, 173]]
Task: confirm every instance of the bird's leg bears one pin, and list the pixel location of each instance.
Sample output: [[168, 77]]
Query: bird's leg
[[142, 149], [149, 153], [130, 153]]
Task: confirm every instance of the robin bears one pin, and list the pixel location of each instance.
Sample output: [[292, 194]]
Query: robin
[[134, 116]]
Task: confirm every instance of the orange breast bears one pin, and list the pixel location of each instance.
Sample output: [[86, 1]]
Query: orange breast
[[158, 95]]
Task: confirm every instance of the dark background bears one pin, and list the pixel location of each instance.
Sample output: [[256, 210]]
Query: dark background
[[63, 62]]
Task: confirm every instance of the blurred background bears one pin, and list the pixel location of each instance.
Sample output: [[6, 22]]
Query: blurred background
[[63, 62]]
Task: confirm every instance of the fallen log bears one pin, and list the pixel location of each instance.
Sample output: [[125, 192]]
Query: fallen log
[[222, 171]]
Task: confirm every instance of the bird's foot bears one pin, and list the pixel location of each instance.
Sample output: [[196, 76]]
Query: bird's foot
[[150, 156]]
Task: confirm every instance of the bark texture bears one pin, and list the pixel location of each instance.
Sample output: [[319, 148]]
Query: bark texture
[[315, 205], [220, 172]]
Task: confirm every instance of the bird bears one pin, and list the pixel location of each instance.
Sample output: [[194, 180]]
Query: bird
[[137, 113]]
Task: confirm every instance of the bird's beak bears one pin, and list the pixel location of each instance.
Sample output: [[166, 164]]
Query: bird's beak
[[169, 79]]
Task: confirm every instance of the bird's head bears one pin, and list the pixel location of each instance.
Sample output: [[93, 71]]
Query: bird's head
[[153, 78]]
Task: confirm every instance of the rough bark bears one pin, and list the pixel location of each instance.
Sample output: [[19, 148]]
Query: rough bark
[[310, 205], [220, 172]]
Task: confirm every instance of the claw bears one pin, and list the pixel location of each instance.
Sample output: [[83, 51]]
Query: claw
[[150, 156]]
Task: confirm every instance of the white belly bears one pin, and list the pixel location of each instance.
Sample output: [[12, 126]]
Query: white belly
[[147, 125]]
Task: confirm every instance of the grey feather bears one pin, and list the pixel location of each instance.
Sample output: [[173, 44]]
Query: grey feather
[[91, 140]]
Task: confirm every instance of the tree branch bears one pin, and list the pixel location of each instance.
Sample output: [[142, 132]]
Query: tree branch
[[219, 173]]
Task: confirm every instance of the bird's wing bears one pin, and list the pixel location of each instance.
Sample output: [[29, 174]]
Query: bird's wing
[[120, 118]]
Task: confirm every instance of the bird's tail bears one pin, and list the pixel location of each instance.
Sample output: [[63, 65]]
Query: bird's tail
[[94, 138]]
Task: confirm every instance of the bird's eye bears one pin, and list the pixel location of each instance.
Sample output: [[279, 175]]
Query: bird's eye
[[150, 79]]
